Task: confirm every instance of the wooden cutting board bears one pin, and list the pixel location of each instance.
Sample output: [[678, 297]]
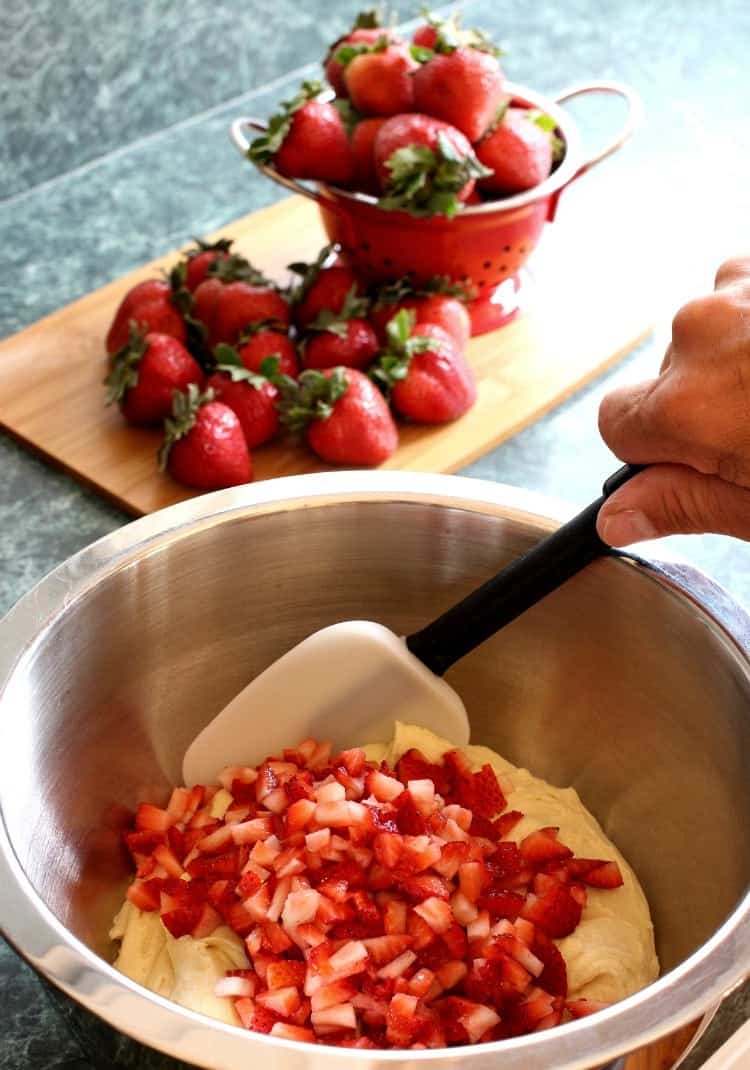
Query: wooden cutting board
[[587, 306]]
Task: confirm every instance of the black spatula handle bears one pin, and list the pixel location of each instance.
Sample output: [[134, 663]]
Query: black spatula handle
[[520, 585]]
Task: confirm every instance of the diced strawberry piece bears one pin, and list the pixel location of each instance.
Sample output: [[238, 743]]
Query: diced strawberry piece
[[208, 921], [183, 919], [506, 860], [451, 857], [414, 766], [353, 760], [335, 888], [289, 863], [300, 907], [146, 895], [580, 1008], [350, 959], [394, 917], [451, 973], [501, 904], [384, 949], [477, 1020], [236, 774], [320, 756], [340, 1016], [526, 1016], [406, 1020], [543, 846], [448, 1010], [331, 791], [437, 913], [419, 929], [150, 818], [243, 792], [330, 912], [311, 935], [473, 877], [507, 822], [478, 929], [423, 794], [299, 787], [299, 814], [607, 875], [460, 814], [142, 844], [278, 898], [455, 941], [384, 788], [293, 1032], [239, 918], [408, 818], [245, 1008], [488, 796], [482, 828], [335, 814], [248, 884], [464, 911], [421, 983], [235, 987], [275, 938], [214, 867], [388, 847], [333, 994], [554, 976], [425, 885], [285, 974], [264, 1019], [555, 911]]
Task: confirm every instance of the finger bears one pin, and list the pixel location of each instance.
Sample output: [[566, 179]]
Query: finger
[[673, 500], [736, 270], [646, 422]]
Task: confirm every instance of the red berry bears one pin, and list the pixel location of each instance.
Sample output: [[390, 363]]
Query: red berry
[[517, 151]]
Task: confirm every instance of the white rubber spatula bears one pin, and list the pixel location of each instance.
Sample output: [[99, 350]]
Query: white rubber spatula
[[349, 682]]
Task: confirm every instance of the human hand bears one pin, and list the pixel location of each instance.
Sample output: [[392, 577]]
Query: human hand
[[691, 424]]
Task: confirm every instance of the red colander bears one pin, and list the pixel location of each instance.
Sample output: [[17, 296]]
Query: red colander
[[484, 246]]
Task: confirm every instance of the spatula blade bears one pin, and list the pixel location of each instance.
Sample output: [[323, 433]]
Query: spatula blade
[[347, 683]]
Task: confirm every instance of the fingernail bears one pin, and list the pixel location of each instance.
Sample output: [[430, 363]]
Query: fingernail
[[626, 526]]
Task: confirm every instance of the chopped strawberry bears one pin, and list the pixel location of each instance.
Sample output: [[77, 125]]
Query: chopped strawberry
[[554, 976], [543, 846], [580, 1008], [488, 796], [408, 817], [607, 875], [150, 818], [146, 895], [501, 904], [414, 766], [183, 919], [555, 911], [263, 1019]]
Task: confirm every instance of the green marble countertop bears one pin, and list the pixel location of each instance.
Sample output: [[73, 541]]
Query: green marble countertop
[[116, 121]]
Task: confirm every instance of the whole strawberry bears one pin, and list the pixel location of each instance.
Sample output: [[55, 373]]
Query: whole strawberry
[[306, 139], [145, 374], [428, 378], [344, 337], [251, 396], [196, 262], [268, 338], [204, 445], [151, 306], [459, 79], [363, 146], [378, 78], [344, 416], [367, 30], [424, 165], [520, 151], [232, 297], [437, 302], [321, 287]]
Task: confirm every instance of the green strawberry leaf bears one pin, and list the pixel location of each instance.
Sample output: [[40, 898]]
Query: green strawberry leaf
[[123, 375], [265, 147], [421, 54], [371, 19], [308, 273], [222, 245], [185, 406], [236, 268], [312, 396], [451, 35], [394, 362], [549, 125], [350, 117], [424, 182], [354, 307], [390, 293], [348, 52]]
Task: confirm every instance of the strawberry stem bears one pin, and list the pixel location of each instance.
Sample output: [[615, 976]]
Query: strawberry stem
[[354, 307], [425, 181], [185, 406], [311, 397], [265, 147], [123, 375], [394, 362]]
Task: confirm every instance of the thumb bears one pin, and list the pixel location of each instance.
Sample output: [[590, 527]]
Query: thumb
[[672, 499]]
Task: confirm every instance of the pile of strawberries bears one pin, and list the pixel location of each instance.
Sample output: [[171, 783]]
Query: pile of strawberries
[[224, 359], [380, 908], [425, 126]]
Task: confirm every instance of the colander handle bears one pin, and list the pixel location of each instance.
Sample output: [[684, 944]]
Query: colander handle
[[238, 134], [632, 120]]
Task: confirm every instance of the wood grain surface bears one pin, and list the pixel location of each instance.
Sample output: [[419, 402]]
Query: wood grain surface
[[585, 308]]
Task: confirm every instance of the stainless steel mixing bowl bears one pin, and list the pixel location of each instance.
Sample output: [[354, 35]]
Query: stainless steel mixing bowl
[[632, 683]]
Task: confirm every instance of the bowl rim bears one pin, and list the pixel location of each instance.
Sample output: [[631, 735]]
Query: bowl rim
[[682, 995]]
